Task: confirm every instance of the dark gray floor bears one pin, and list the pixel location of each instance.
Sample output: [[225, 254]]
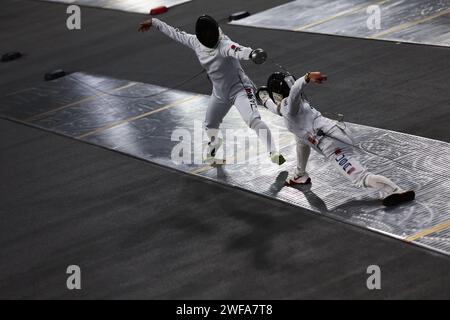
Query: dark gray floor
[[141, 231], [381, 84], [138, 230]]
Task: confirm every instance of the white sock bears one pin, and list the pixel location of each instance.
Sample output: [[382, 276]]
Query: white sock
[[303, 152], [212, 134], [264, 135], [382, 184]]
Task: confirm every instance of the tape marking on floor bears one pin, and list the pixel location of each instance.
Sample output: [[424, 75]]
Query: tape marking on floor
[[409, 24], [19, 91], [426, 232], [43, 114], [208, 167], [338, 15], [118, 123]]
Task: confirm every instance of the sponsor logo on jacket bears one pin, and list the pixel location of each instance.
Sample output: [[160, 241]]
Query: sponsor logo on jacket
[[251, 97], [235, 48], [343, 161]]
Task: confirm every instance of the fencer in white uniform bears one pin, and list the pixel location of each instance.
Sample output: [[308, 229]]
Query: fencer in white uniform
[[220, 57], [284, 96]]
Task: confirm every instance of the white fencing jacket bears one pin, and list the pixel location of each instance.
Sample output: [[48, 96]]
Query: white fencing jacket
[[300, 117], [221, 63]]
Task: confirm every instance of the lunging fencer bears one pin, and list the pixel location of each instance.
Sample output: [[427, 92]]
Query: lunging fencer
[[284, 96], [220, 57]]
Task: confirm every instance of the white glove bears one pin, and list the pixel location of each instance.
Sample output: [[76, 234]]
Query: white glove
[[262, 95]]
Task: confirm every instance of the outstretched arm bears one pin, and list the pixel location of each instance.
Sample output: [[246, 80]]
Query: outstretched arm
[[234, 50], [173, 33], [295, 95]]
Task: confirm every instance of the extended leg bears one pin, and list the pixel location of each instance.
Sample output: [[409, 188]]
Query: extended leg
[[215, 113], [338, 149], [300, 175], [395, 194], [385, 185], [245, 102], [303, 152]]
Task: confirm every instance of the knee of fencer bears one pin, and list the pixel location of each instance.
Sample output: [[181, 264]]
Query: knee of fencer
[[351, 168], [373, 179], [361, 181]]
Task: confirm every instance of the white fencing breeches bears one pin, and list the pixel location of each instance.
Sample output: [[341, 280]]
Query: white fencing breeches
[[338, 150], [245, 103], [337, 147]]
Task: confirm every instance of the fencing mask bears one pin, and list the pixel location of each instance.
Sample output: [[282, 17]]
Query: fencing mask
[[207, 31], [278, 87]]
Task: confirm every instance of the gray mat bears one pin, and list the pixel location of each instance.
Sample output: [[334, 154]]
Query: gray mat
[[415, 21], [139, 119], [136, 6]]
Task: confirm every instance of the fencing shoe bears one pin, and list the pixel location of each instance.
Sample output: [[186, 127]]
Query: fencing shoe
[[398, 198], [211, 152], [298, 179], [277, 158]]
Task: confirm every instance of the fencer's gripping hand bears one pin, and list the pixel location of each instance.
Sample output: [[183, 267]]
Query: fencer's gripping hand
[[263, 99], [316, 77], [145, 25], [258, 56], [262, 95]]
